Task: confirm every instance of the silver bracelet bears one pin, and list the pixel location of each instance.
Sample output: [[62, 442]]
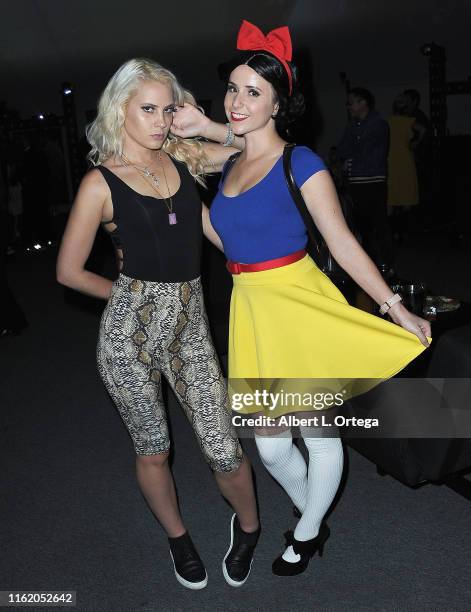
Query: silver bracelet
[[394, 299], [230, 135]]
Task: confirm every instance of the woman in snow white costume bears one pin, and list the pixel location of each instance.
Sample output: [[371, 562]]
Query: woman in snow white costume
[[287, 319]]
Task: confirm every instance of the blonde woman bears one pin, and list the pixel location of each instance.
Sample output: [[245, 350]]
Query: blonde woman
[[142, 190]]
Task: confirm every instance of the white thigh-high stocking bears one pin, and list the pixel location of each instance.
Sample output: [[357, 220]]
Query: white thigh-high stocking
[[285, 463], [324, 474]]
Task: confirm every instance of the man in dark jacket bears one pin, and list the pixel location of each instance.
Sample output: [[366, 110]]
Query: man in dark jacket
[[364, 151]]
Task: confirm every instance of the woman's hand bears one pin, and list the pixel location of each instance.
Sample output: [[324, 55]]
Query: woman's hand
[[322, 201], [189, 121], [411, 322]]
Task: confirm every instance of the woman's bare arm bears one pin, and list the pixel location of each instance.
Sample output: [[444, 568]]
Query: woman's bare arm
[[217, 155], [82, 225], [321, 199], [189, 122], [209, 230]]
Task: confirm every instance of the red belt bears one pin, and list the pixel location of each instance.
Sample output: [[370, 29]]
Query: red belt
[[237, 268]]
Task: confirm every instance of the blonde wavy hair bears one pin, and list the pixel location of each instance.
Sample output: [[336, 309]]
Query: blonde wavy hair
[[104, 134]]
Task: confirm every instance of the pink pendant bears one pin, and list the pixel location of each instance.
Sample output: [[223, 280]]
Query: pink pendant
[[172, 218]]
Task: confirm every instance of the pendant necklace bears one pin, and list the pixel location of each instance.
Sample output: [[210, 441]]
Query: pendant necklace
[[154, 182], [172, 217], [144, 170]]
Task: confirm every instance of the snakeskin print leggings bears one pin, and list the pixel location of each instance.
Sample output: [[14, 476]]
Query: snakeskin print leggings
[[150, 329]]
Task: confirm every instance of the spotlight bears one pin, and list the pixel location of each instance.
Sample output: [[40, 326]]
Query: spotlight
[[433, 51], [66, 89], [41, 116], [37, 246], [426, 49]]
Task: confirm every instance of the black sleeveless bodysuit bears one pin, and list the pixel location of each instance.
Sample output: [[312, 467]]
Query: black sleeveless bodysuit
[[154, 250]]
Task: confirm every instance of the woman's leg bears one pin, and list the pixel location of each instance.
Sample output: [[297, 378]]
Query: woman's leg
[[129, 357], [157, 485], [210, 419], [324, 475], [206, 407], [284, 462], [195, 376], [237, 487], [311, 488], [193, 371], [135, 388]]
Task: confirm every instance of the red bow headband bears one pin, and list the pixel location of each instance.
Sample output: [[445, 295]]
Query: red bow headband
[[277, 42]]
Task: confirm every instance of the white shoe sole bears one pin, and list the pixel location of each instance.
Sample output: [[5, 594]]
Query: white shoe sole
[[227, 578], [195, 586]]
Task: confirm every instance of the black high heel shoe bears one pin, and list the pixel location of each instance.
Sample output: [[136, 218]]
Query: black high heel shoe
[[305, 549]]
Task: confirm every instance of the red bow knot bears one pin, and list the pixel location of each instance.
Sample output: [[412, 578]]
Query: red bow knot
[[277, 42]]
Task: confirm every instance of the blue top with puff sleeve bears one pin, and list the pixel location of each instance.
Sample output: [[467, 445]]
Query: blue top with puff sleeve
[[263, 222]]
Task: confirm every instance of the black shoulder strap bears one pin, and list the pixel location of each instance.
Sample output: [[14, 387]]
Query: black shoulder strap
[[228, 165], [313, 233], [109, 176]]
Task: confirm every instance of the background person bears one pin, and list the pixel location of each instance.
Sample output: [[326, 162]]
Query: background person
[[403, 191], [364, 150]]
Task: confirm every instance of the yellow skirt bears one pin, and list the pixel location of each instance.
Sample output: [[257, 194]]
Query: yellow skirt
[[291, 329]]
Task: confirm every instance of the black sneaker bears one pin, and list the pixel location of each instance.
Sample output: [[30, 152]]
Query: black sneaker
[[238, 560], [189, 569]]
